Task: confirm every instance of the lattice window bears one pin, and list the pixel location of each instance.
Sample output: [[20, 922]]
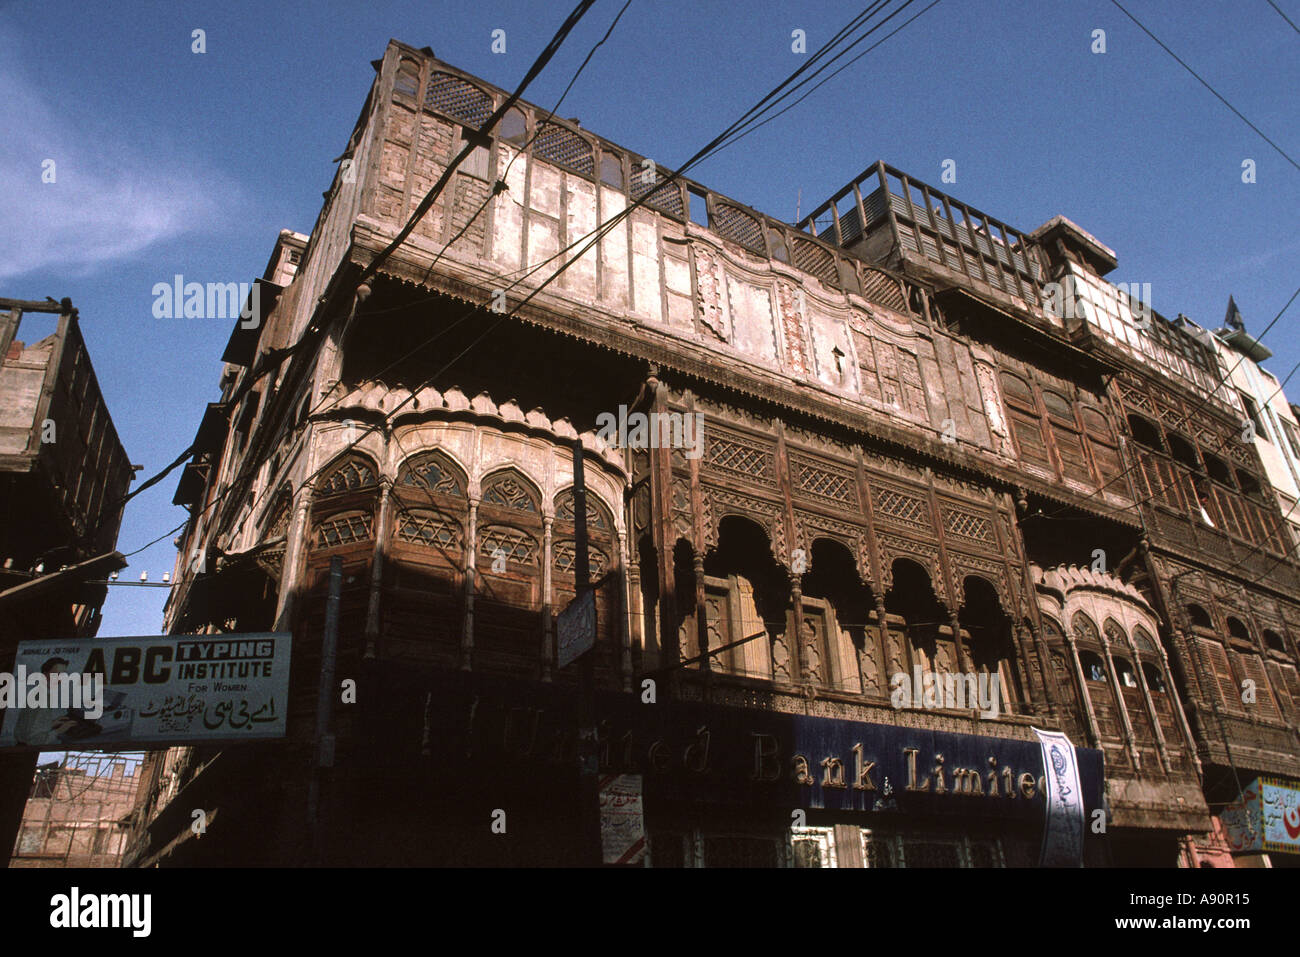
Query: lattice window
[[902, 507], [823, 482], [419, 527], [667, 198], [565, 559], [738, 226], [813, 259], [349, 476], [1084, 629], [734, 457], [564, 511], [459, 98], [432, 473], [564, 147], [967, 525], [509, 491], [882, 288], [518, 547], [1143, 641], [346, 528]]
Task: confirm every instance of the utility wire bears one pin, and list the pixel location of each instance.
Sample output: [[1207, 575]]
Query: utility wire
[[1203, 83]]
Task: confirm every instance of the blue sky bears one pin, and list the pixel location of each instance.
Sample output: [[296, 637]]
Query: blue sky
[[174, 162]]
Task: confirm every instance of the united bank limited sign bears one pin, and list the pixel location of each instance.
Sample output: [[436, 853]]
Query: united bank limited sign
[[689, 753]]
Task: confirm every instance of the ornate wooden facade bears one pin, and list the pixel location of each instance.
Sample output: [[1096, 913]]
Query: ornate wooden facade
[[903, 461]]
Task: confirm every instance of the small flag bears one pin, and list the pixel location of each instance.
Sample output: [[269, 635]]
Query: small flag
[[1233, 318]]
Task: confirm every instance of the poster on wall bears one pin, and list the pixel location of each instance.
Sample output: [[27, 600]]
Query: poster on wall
[[120, 693], [622, 821], [1063, 828]]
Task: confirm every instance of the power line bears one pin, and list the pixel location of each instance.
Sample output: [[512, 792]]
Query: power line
[[1203, 83], [1284, 16]]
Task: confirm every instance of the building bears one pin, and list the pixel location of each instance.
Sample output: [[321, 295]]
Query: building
[[901, 438], [63, 483], [78, 812]]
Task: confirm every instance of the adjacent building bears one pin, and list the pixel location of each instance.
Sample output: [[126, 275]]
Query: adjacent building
[[900, 439], [64, 478]]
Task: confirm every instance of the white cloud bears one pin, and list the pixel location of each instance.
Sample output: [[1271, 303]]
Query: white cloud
[[114, 194]]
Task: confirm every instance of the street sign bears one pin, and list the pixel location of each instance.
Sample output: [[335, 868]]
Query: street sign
[[576, 628]]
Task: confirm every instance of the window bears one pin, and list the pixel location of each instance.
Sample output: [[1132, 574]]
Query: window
[[476, 163], [1218, 470], [1252, 412], [1152, 675], [424, 527], [563, 147], [514, 126], [408, 78], [611, 170], [1093, 669], [346, 528], [1273, 641], [1127, 677], [699, 207], [1200, 618], [1145, 433]]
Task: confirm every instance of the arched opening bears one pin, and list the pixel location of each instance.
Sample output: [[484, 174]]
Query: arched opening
[[1199, 617], [1237, 629], [1152, 675], [1183, 452], [838, 614], [1273, 641], [1218, 469], [918, 632], [602, 562], [1145, 432], [514, 126], [747, 601], [1093, 667], [987, 630], [508, 626]]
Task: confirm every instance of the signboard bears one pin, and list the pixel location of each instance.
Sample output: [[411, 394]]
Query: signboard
[[169, 689], [622, 822], [1266, 817], [575, 628], [1063, 829]]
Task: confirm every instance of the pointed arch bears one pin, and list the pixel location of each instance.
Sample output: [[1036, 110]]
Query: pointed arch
[[510, 489], [351, 472], [433, 471]]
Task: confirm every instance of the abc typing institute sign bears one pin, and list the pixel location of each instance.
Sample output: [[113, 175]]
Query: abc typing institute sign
[[171, 689]]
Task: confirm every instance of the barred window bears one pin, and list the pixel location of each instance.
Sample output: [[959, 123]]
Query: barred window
[[345, 528], [422, 527], [518, 547], [564, 147], [459, 98], [564, 511]]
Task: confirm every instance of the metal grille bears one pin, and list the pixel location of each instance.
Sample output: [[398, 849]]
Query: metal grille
[[343, 529], [930, 854], [517, 546], [459, 98], [667, 198], [565, 559], [734, 457], [812, 259], [901, 507], [738, 226], [564, 148], [967, 525], [427, 528], [739, 852]]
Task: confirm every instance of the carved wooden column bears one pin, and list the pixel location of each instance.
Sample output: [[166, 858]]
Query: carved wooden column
[[634, 607], [702, 619], [382, 522], [624, 612], [1089, 714], [548, 620], [1176, 700], [1150, 706], [471, 571], [1120, 705], [295, 558]]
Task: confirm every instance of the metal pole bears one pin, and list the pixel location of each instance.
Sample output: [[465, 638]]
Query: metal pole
[[324, 756], [589, 769]]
